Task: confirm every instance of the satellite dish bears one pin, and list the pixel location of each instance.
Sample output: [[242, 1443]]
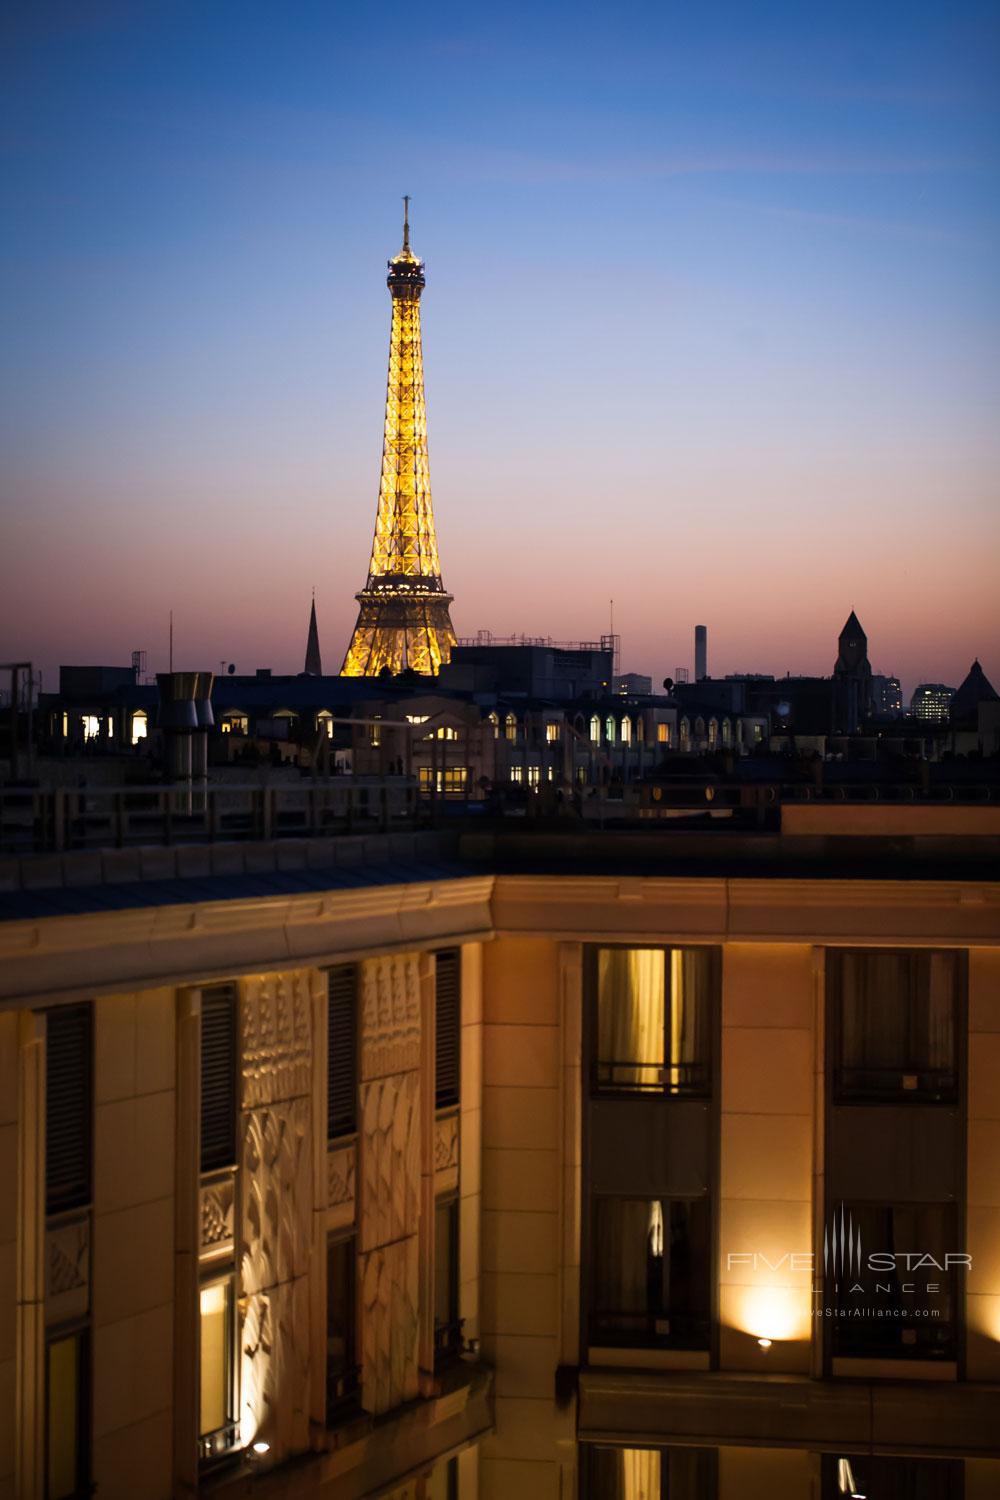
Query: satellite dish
[[231, 668], [784, 709], [668, 683]]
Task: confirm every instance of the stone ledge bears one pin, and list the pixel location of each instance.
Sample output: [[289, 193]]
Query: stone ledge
[[788, 1411]]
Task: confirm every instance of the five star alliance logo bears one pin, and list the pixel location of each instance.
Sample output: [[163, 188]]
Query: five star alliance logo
[[842, 1246]]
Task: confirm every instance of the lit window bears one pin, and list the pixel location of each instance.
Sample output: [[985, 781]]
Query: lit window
[[552, 734], [626, 730], [417, 718], [235, 724], [447, 782], [517, 773], [609, 729], [550, 774], [685, 736], [376, 731], [138, 727], [663, 734], [324, 723], [91, 727], [654, 1020], [727, 734], [216, 1374], [713, 734], [66, 1416], [445, 732], [595, 730], [495, 725], [510, 727], [895, 1025], [534, 775]]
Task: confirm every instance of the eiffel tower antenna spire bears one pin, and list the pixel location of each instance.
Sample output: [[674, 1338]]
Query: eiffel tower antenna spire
[[403, 617]]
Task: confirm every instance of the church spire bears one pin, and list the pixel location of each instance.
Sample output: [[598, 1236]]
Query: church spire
[[403, 620], [314, 664]]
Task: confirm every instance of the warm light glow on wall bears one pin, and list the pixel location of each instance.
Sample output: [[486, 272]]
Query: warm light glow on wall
[[777, 1313]]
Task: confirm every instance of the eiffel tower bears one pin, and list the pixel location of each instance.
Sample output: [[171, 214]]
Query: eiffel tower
[[403, 619]]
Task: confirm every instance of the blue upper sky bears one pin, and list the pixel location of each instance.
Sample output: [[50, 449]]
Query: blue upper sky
[[711, 323]]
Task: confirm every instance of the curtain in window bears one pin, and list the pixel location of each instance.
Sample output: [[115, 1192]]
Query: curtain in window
[[941, 1011], [630, 1015], [622, 1243], [874, 1010], [690, 977], [639, 1473]]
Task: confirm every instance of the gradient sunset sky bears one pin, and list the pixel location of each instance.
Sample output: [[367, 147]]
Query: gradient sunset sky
[[711, 327]]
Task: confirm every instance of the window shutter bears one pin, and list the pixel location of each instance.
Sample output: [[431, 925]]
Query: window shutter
[[68, 1107], [218, 1078], [341, 1066], [447, 1016]]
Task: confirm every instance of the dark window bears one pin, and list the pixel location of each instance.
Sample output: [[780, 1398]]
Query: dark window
[[892, 1478], [896, 1025], [218, 1078], [448, 1022], [650, 1273], [67, 1416], [68, 1107], [657, 1473], [341, 1071], [911, 1310], [654, 1019], [341, 1357], [447, 1325]]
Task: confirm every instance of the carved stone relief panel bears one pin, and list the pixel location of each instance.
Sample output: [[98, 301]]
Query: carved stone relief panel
[[67, 1269], [390, 1015], [276, 1194], [276, 1021], [340, 1169], [274, 1367], [390, 1159], [217, 1214], [446, 1153], [389, 1296]]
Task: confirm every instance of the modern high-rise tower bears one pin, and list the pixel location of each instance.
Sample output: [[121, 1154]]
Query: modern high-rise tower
[[403, 620]]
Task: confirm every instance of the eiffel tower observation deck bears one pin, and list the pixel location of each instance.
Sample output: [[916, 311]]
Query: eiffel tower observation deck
[[403, 619]]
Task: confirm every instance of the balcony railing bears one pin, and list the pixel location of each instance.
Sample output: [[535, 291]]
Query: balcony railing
[[627, 1076], [895, 1086]]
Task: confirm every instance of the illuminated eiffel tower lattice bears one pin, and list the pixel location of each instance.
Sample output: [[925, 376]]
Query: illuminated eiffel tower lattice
[[403, 620]]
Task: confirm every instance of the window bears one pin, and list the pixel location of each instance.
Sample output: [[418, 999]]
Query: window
[[447, 1325], [91, 727], [685, 736], [914, 1311], [626, 730], [552, 734], [69, 1072], [67, 1416], [595, 730], [713, 734], [609, 730], [447, 1026], [218, 1078], [727, 734], [895, 1025], [648, 1473], [494, 722], [534, 775], [442, 1484], [217, 1414], [341, 1055], [449, 781], [139, 727], [341, 1352], [663, 734], [517, 774], [650, 1271], [655, 1010], [892, 1478], [375, 731], [235, 724], [510, 728], [444, 732]]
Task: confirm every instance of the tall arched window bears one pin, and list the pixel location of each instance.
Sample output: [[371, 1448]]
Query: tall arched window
[[609, 729], [727, 734], [595, 730], [495, 725], [699, 731], [626, 730], [510, 728], [685, 735], [713, 734]]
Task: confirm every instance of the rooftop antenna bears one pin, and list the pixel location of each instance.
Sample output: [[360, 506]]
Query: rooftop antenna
[[406, 221]]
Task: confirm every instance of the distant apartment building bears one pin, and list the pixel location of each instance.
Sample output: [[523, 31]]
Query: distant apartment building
[[887, 696], [932, 701]]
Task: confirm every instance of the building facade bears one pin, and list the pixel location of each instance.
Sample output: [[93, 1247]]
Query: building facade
[[435, 1167]]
